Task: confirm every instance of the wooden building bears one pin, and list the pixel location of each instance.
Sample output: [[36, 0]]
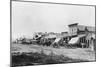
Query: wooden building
[[85, 34]]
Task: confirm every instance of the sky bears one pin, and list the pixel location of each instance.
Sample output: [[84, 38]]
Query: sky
[[28, 17]]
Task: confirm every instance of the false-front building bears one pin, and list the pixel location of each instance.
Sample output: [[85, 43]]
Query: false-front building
[[85, 35]]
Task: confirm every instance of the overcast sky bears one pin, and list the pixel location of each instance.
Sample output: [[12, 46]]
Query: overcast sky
[[28, 18]]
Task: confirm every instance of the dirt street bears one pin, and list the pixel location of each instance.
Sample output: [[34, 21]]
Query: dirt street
[[77, 53]]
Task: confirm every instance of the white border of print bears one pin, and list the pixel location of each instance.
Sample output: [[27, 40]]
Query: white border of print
[[5, 33]]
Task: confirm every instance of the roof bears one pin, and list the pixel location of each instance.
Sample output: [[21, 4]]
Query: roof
[[83, 28], [91, 28], [73, 24], [80, 27], [50, 36], [64, 32]]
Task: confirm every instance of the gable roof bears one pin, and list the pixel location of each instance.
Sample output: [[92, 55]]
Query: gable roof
[[83, 28]]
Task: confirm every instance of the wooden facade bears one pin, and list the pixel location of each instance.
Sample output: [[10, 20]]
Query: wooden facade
[[86, 35]]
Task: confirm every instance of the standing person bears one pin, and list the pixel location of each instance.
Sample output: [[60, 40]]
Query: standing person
[[92, 44]]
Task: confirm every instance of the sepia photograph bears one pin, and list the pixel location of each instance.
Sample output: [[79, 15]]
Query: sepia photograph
[[44, 33]]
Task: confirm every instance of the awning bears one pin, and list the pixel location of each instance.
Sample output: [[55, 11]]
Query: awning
[[82, 35], [74, 40], [57, 39]]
